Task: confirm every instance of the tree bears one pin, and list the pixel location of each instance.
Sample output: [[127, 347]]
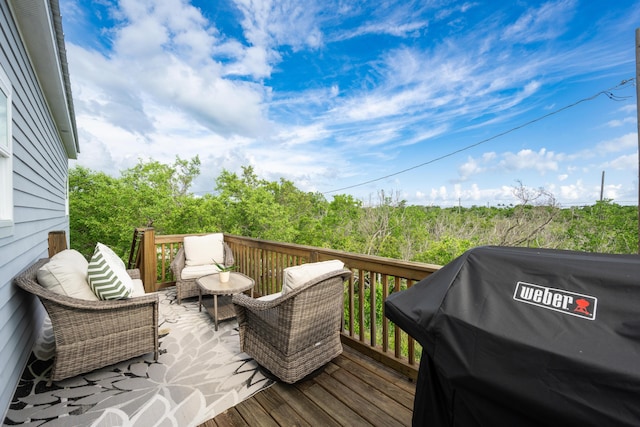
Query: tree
[[381, 225], [157, 190], [251, 208], [95, 210], [337, 229], [528, 219], [107, 209], [605, 227]]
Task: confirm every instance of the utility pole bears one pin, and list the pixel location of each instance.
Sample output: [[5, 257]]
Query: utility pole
[[638, 120], [602, 187]]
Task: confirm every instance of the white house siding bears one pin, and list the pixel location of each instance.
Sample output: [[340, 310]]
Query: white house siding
[[40, 168]]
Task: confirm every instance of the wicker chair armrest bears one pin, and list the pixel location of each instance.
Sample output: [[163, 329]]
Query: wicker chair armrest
[[148, 299], [101, 305], [178, 263], [253, 304], [134, 273]]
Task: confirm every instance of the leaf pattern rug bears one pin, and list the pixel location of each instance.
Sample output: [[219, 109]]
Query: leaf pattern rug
[[199, 374]]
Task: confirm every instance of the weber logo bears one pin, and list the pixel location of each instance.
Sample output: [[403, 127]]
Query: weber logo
[[557, 300]]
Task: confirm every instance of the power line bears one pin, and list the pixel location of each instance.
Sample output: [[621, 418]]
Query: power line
[[608, 92]]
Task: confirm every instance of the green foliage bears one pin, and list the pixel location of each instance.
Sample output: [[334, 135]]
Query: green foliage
[[96, 210], [266, 210], [107, 209], [444, 250], [604, 227], [337, 227]]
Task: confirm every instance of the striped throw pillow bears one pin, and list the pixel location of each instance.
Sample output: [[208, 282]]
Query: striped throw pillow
[[107, 278]]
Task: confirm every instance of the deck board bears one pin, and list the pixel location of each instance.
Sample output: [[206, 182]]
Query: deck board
[[254, 414], [399, 389], [278, 408], [302, 405], [352, 390], [387, 410], [357, 402]]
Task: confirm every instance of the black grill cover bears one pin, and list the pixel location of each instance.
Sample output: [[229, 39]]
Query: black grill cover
[[526, 337]]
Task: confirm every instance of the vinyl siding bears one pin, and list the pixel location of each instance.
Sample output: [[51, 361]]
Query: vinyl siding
[[40, 168]]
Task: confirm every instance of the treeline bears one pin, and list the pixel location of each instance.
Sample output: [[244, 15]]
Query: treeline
[[107, 209]]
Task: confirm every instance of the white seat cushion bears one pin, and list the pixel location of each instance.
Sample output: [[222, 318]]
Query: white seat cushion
[[195, 271], [203, 250], [66, 274], [301, 274]]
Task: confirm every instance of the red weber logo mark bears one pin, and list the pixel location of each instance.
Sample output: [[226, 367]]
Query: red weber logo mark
[[557, 300]]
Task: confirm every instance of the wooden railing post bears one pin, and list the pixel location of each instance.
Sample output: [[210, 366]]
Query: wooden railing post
[[57, 242], [149, 260]]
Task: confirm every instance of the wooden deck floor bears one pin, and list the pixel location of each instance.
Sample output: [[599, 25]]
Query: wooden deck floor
[[353, 390]]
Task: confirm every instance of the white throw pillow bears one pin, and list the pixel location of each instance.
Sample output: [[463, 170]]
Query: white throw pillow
[[138, 288], [66, 274], [113, 257], [202, 250], [301, 274], [107, 276]]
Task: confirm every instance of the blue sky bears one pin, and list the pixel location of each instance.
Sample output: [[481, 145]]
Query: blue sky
[[345, 95]]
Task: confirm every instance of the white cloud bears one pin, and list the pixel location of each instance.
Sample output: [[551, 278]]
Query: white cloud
[[629, 108], [439, 193], [162, 61], [543, 23], [252, 61], [624, 142], [420, 136], [542, 160], [614, 192], [625, 162], [473, 194], [469, 168], [398, 19], [573, 192], [271, 23], [302, 134], [621, 122], [167, 80], [391, 27]]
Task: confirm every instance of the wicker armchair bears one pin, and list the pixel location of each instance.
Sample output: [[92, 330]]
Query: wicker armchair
[[298, 332], [93, 334], [187, 287]]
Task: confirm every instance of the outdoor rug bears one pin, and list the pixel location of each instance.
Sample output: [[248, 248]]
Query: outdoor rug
[[199, 374]]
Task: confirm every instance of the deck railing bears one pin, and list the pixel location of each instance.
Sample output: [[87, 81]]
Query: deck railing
[[373, 279]]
